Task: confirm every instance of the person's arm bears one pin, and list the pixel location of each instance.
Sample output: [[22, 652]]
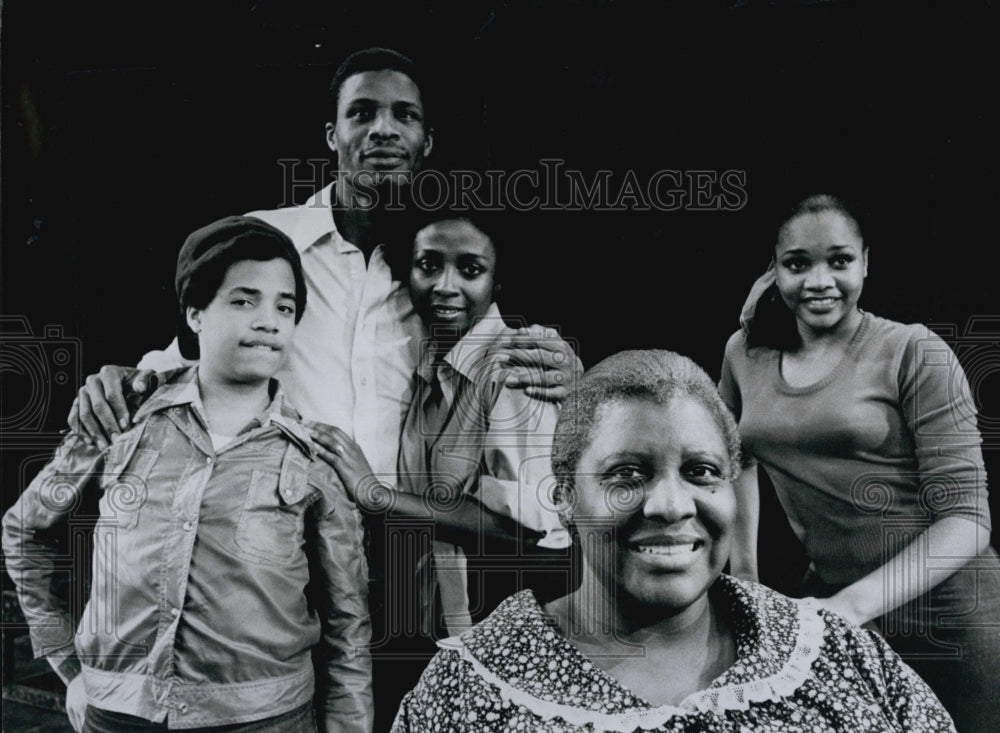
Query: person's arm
[[459, 519], [517, 478], [929, 560], [338, 547], [541, 362], [31, 553], [106, 402], [941, 416], [743, 555]]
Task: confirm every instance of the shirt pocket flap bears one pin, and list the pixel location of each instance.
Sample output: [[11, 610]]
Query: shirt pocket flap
[[126, 463], [292, 484], [118, 455], [271, 524]]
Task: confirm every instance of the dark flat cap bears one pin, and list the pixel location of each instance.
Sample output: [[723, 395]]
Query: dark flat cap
[[215, 240], [218, 246]]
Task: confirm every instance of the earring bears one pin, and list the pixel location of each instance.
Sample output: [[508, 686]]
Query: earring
[[561, 499]]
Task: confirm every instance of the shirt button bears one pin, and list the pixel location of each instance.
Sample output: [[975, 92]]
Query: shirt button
[[188, 526], [288, 492], [364, 382], [183, 708], [175, 612], [208, 459]]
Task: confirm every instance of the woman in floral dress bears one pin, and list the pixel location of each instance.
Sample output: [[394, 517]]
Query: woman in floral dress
[[656, 638]]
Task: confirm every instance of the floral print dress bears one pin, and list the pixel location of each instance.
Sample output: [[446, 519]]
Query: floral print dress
[[798, 669]]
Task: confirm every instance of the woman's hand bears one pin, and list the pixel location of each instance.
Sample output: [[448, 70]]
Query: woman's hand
[[346, 457], [840, 605], [509, 530]]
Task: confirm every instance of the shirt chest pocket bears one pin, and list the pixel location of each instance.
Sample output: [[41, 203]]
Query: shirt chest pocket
[[272, 523], [124, 483]]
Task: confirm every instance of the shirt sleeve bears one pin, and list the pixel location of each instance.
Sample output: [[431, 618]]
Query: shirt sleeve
[[938, 408], [32, 550], [165, 360], [517, 458], [338, 544]]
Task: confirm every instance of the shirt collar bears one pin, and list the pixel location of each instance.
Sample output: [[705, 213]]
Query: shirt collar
[[465, 356], [315, 221], [177, 387], [180, 387]]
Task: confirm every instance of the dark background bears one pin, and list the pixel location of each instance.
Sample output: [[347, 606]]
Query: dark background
[[127, 125]]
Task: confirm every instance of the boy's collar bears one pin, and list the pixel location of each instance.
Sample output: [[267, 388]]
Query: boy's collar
[[177, 387], [180, 387]]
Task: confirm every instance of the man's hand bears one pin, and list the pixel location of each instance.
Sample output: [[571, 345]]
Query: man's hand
[[101, 408], [76, 702], [541, 362], [346, 457]]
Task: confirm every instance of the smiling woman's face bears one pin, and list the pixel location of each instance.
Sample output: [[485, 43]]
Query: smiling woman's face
[[452, 279], [821, 265], [653, 502]]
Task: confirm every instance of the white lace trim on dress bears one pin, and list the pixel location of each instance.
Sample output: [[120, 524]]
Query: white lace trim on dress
[[782, 683]]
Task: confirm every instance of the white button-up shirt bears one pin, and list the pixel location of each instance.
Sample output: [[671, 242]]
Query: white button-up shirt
[[356, 347]]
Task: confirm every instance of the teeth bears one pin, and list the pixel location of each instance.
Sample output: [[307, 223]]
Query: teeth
[[666, 549]]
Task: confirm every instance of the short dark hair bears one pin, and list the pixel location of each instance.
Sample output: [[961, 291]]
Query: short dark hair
[[375, 59], [401, 226], [209, 252], [651, 375], [491, 224]]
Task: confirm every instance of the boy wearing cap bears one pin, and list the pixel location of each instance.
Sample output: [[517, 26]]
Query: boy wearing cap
[[224, 550]]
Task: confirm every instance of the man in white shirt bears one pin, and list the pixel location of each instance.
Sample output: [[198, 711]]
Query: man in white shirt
[[356, 348]]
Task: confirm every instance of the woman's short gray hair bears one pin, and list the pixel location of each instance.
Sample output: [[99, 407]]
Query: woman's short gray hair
[[652, 375]]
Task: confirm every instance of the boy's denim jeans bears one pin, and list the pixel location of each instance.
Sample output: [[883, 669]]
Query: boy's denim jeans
[[300, 720]]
